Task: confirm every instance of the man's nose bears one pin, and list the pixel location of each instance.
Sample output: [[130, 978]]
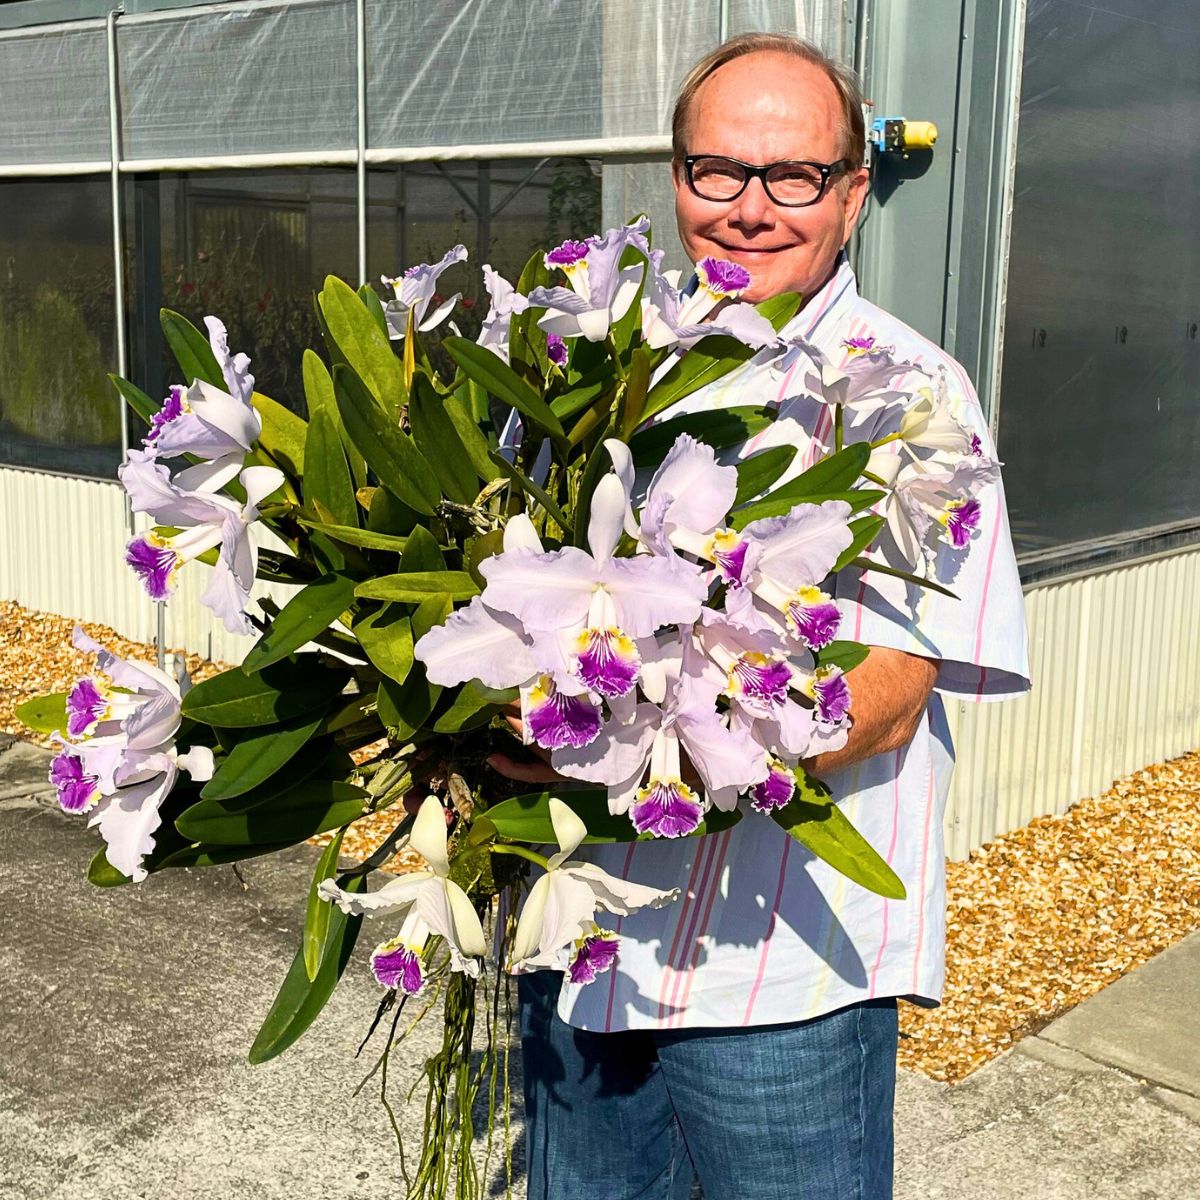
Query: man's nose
[[753, 208]]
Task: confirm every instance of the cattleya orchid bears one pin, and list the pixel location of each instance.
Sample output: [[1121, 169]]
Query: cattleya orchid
[[601, 290], [865, 382], [204, 520], [672, 319], [126, 763], [931, 425], [558, 920], [414, 292], [506, 303], [427, 902]]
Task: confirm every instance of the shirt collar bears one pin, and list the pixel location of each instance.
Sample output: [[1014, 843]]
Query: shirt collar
[[821, 321]]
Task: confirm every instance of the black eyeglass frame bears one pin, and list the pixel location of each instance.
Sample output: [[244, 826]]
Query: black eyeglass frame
[[827, 170]]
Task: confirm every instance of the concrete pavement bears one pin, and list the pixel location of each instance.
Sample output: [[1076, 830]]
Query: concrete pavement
[[127, 1015]]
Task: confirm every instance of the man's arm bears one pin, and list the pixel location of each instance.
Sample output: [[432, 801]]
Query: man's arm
[[889, 691]]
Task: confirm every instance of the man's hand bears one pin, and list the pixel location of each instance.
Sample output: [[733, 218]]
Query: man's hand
[[534, 770], [889, 693]]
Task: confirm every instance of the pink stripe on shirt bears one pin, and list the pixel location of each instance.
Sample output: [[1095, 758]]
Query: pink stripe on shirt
[[713, 886], [612, 983], [766, 948]]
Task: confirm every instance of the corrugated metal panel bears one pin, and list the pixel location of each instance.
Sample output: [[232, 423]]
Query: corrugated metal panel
[[61, 542], [1116, 672]]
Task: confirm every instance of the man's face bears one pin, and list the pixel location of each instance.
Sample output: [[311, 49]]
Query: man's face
[[763, 108]]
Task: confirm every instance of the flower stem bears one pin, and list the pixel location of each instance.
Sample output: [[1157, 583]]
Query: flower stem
[[883, 441], [837, 427], [619, 366], [521, 852]]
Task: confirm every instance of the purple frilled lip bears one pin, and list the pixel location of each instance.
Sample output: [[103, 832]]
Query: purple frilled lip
[[723, 278], [556, 349], [814, 619], [76, 788], [568, 254], [596, 954], [761, 681], [396, 966], [962, 519], [608, 662], [171, 410], [86, 705], [859, 345], [666, 808], [555, 720], [775, 791], [153, 565], [729, 554], [831, 694]]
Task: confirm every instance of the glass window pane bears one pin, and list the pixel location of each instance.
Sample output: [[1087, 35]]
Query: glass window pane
[[58, 410], [248, 247]]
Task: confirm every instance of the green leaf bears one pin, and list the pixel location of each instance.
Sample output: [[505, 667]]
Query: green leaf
[[422, 552], [258, 755], [837, 473], [371, 301], [135, 398], [44, 714], [389, 514], [474, 705], [756, 473], [585, 393], [283, 434], [416, 586], [387, 449], [812, 818], [707, 361], [191, 349], [869, 564], [328, 478], [318, 911], [527, 818], [637, 381], [843, 655], [406, 707], [277, 693], [475, 445], [204, 854], [386, 636], [531, 489], [779, 310], [353, 536], [293, 815], [863, 533], [720, 428], [778, 503], [480, 364], [101, 873], [300, 999], [309, 612], [355, 329], [318, 392], [437, 438]]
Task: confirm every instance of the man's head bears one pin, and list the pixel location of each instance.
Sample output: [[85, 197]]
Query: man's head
[[761, 99]]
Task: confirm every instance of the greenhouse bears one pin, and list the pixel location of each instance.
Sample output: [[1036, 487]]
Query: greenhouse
[[225, 158]]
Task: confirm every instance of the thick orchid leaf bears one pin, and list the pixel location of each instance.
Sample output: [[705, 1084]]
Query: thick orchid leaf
[[191, 349], [364, 538], [258, 756], [778, 503], [585, 393], [279, 692], [863, 532], [283, 434], [413, 587], [387, 513], [301, 999], [317, 911], [278, 567], [318, 392], [204, 854], [817, 823], [309, 612], [352, 325], [779, 310], [504, 467], [436, 437], [387, 449], [756, 473], [843, 655], [637, 382], [475, 445], [371, 301], [293, 815], [869, 564], [327, 478], [43, 714], [719, 429], [475, 705], [480, 364], [837, 473], [422, 552], [707, 361], [386, 636], [406, 707], [527, 818], [135, 398]]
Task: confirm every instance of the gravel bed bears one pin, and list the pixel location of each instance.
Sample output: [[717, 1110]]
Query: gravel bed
[[1038, 920]]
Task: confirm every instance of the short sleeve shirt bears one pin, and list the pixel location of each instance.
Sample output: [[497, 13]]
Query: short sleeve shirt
[[763, 932]]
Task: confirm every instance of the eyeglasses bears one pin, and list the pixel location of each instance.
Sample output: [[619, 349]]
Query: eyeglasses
[[791, 183]]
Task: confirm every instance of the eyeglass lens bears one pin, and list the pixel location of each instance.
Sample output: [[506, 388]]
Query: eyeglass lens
[[787, 183]]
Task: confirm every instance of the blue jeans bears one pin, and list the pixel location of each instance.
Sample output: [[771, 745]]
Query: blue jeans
[[780, 1112]]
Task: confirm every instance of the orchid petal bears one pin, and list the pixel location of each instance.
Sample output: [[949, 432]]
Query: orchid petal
[[649, 592], [529, 924], [543, 591], [607, 517], [428, 837], [396, 896], [569, 830], [621, 750], [476, 642], [519, 533]]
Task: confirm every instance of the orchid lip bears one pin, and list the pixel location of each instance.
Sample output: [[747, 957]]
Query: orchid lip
[[396, 965], [594, 954], [87, 705], [556, 720], [607, 662], [759, 680], [776, 791], [154, 563], [666, 808]]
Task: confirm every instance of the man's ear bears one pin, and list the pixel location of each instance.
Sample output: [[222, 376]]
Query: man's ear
[[857, 188]]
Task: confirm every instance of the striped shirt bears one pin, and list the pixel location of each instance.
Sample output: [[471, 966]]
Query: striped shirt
[[763, 932]]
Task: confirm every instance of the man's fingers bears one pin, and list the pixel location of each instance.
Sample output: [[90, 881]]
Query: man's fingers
[[523, 771]]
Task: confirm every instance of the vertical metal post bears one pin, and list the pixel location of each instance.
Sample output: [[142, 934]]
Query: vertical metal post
[[360, 18], [483, 212], [722, 21], [114, 150]]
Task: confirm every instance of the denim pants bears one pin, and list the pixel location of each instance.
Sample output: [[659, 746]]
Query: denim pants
[[780, 1112]]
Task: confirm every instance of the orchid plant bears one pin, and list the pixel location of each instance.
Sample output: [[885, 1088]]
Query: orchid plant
[[539, 532]]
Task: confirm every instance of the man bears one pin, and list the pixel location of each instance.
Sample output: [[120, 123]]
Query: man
[[748, 1032]]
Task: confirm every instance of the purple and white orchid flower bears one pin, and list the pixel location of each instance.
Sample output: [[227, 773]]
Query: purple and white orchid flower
[[427, 902], [505, 303], [414, 292], [601, 290], [595, 607], [204, 520], [672, 319], [557, 928]]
